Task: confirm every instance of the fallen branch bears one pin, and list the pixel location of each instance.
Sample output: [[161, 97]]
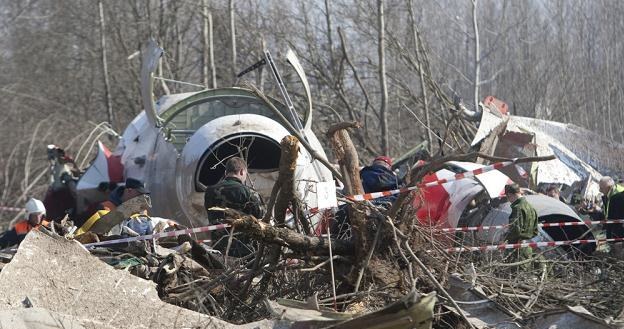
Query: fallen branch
[[437, 284], [263, 232]]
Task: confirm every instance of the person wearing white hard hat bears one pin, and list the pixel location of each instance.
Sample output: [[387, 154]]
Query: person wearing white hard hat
[[35, 213]]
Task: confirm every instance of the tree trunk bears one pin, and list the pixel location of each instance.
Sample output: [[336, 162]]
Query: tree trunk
[[286, 237], [205, 43], [330, 45], [286, 178], [233, 41], [421, 74], [385, 147], [260, 72], [110, 116], [477, 55], [347, 156]]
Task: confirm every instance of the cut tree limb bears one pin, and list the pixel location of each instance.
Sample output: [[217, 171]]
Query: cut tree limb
[[286, 178], [263, 232], [347, 157]]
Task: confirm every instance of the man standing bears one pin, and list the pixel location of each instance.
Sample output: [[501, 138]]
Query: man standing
[[613, 205], [379, 177], [35, 211], [232, 193], [522, 221]]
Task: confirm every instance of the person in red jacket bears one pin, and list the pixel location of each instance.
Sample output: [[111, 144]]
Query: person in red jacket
[[35, 213]]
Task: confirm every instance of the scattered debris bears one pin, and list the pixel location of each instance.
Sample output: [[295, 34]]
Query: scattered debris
[[61, 277]]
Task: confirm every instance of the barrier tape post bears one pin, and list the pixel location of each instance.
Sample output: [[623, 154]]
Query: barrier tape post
[[160, 235]]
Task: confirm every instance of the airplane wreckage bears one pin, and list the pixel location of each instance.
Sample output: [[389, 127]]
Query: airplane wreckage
[[178, 145]]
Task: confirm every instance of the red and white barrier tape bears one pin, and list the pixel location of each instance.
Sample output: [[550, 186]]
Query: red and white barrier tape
[[161, 235], [469, 228], [588, 222], [468, 174], [11, 208], [505, 246], [498, 227]]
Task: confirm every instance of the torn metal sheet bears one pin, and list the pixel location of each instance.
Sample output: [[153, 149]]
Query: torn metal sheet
[[494, 181], [480, 310], [412, 311], [61, 276], [305, 315], [443, 205], [581, 154], [559, 139], [605, 156], [489, 122], [569, 317]]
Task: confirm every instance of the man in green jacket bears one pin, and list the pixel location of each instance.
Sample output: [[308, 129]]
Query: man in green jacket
[[232, 193], [522, 221]]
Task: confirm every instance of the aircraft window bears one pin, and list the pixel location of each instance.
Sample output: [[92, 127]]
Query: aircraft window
[[195, 116], [262, 155]]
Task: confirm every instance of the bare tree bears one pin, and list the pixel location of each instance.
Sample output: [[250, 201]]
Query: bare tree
[[477, 54], [232, 38], [383, 111], [421, 73], [109, 102]]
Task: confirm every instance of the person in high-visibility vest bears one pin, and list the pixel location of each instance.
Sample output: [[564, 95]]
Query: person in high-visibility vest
[[612, 205], [35, 213]]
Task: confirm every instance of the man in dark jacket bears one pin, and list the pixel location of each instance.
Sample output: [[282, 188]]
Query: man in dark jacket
[[232, 193], [379, 177], [522, 221]]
